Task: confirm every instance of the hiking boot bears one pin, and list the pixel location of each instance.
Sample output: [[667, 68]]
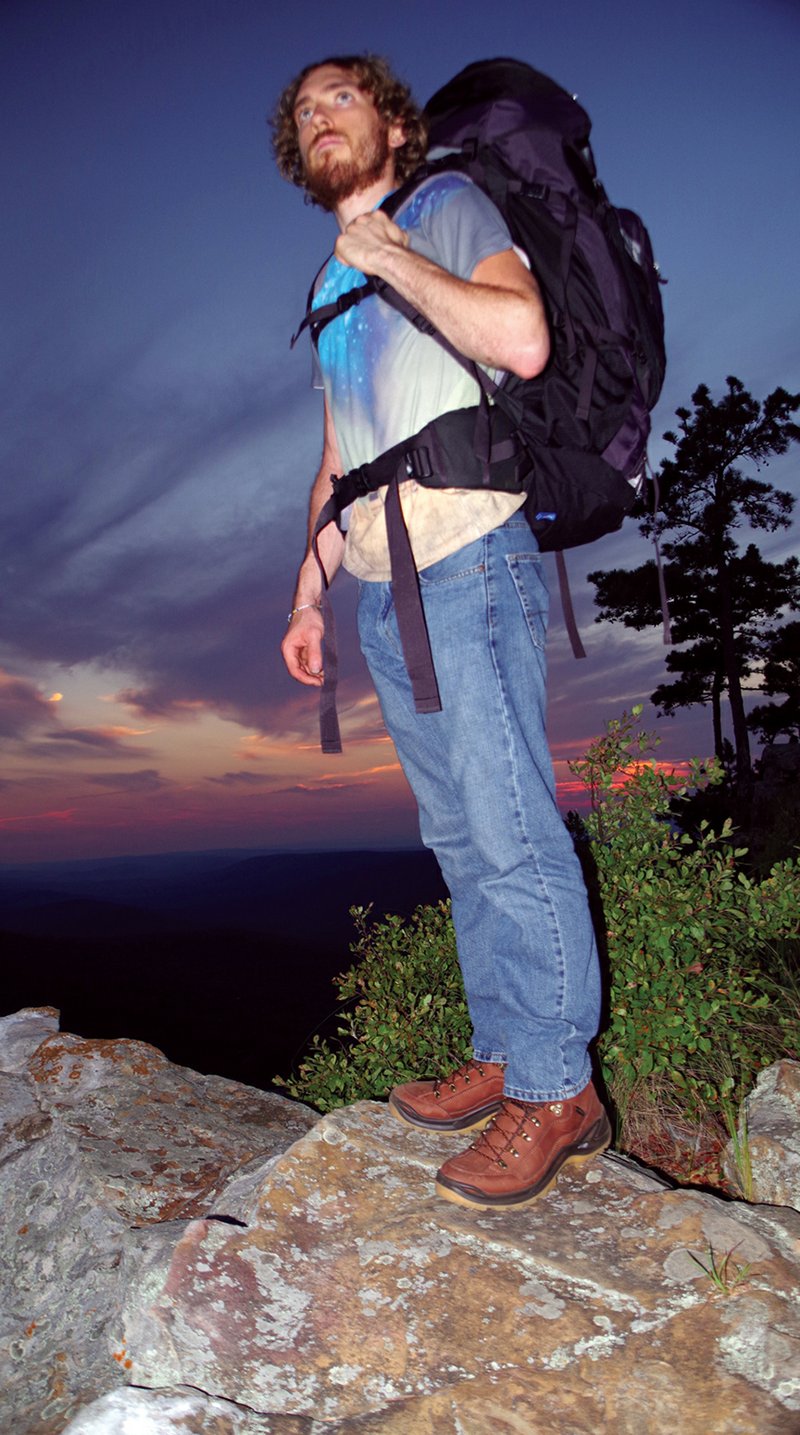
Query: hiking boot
[[519, 1155], [462, 1101]]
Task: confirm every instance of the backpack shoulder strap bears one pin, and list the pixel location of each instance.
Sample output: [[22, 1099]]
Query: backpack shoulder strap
[[316, 319]]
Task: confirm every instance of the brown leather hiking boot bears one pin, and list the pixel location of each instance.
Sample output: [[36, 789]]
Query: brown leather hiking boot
[[519, 1155], [464, 1100]]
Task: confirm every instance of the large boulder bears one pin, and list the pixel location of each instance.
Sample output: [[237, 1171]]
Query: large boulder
[[318, 1285], [764, 1161], [101, 1141]]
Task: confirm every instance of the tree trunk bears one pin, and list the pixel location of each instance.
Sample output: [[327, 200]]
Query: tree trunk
[[730, 658], [716, 715]]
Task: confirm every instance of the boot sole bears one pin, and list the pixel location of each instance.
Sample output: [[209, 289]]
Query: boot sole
[[592, 1145], [457, 1126]]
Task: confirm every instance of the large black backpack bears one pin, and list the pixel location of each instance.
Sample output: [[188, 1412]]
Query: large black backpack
[[575, 437]]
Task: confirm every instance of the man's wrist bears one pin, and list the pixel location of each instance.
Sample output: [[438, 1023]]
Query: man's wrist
[[301, 608]]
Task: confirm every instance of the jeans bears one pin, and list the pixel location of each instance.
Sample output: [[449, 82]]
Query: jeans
[[483, 780]]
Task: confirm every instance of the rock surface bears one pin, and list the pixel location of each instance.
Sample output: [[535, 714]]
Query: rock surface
[[101, 1142], [770, 1136], [191, 1255], [158, 1412]]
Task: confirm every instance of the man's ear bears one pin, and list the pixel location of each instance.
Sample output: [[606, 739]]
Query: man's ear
[[396, 135]]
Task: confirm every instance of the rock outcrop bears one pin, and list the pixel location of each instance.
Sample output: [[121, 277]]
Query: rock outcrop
[[102, 1144], [192, 1255], [766, 1165]]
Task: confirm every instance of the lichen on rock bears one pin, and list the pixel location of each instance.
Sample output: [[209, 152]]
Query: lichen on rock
[[192, 1255]]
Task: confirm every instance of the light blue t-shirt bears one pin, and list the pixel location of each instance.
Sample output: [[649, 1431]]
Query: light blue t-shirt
[[383, 379]]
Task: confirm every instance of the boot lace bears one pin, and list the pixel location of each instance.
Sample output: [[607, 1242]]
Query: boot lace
[[463, 1073], [507, 1127]]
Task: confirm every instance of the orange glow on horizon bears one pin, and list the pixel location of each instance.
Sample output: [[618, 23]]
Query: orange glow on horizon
[[67, 814]]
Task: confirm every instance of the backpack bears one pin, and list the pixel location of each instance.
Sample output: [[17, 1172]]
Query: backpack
[[575, 437]]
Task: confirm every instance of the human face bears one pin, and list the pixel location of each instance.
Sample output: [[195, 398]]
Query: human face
[[345, 145]]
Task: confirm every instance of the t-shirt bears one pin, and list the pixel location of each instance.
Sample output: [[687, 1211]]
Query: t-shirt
[[384, 380]]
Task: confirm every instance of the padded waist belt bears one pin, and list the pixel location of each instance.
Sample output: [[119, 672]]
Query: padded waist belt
[[474, 448]]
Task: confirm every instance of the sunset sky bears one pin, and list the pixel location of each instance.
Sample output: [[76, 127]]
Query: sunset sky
[[158, 439]]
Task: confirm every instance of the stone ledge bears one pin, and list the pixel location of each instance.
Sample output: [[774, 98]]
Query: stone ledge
[[201, 1256]]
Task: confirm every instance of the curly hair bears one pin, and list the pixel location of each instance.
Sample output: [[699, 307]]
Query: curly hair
[[391, 98]]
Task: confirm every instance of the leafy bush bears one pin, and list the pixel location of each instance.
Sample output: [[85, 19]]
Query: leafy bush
[[697, 1003], [693, 1010], [405, 1012]]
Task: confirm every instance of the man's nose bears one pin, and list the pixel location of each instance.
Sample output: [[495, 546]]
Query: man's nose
[[320, 118]]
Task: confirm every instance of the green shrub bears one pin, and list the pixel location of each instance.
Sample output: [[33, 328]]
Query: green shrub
[[698, 951], [693, 1010], [405, 1017]]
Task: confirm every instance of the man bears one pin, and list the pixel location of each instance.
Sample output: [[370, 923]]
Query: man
[[347, 132]]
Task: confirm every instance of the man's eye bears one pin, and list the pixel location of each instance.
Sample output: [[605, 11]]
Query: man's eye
[[344, 97], [303, 116]]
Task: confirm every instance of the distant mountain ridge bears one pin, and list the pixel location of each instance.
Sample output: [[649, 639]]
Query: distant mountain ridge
[[224, 960], [286, 892]]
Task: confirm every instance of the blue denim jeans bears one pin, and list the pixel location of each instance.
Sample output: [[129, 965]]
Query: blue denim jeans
[[483, 780]]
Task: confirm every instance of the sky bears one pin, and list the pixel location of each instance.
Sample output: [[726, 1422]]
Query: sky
[[158, 439]]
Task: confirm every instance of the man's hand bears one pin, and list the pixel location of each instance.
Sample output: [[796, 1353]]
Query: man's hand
[[302, 647], [495, 317], [367, 239]]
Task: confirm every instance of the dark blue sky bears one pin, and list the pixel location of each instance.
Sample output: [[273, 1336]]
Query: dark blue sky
[[158, 439]]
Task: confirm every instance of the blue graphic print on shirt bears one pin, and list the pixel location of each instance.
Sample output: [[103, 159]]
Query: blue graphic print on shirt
[[383, 379]]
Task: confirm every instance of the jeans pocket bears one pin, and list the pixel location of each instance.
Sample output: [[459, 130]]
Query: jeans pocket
[[528, 580], [462, 564]]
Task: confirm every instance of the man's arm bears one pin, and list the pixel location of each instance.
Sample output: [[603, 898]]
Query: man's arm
[[302, 645], [495, 317]]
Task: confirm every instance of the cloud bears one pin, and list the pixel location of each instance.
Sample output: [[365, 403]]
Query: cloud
[[106, 740], [368, 772], [147, 779], [22, 706], [148, 531], [241, 779], [159, 703], [321, 789], [222, 655], [61, 743], [28, 717], [59, 816]]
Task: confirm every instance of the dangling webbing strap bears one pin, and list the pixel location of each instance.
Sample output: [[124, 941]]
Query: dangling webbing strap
[[578, 650], [408, 607], [330, 739], [329, 736]]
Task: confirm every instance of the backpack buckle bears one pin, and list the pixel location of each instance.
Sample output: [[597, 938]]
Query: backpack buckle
[[361, 481], [348, 486], [418, 463]]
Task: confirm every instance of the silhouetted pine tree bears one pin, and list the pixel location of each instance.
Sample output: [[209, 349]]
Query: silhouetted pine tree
[[723, 602]]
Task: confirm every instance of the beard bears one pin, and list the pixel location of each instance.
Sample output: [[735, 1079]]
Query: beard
[[334, 180]]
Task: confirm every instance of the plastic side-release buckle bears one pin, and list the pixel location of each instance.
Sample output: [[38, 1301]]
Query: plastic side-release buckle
[[535, 191], [353, 484], [418, 463]]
